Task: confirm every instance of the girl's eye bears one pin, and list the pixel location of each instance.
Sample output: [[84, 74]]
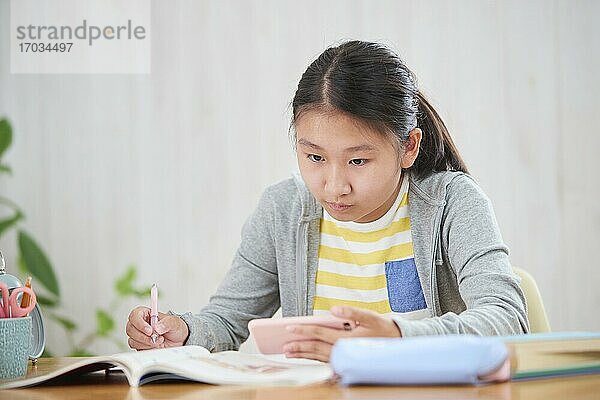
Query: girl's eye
[[358, 162], [315, 158]]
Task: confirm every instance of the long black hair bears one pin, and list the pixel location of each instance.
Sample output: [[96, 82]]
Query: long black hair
[[368, 81]]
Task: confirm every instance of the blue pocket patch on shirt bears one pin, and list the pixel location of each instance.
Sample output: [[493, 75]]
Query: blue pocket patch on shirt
[[405, 293]]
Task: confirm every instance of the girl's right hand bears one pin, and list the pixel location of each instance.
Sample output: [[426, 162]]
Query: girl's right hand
[[172, 330]]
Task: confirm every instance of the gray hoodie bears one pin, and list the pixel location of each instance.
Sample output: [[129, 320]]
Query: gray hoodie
[[461, 260]]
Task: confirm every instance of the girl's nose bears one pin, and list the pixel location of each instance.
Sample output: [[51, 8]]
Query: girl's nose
[[336, 185]]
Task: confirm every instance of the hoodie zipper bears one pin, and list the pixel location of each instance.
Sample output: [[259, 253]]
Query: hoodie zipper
[[301, 260], [437, 260]]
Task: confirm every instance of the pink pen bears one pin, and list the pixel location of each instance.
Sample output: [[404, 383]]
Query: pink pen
[[154, 311]]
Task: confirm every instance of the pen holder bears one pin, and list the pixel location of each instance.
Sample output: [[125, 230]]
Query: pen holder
[[15, 344]]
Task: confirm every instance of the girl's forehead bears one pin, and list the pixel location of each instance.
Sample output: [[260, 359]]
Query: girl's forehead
[[337, 130]]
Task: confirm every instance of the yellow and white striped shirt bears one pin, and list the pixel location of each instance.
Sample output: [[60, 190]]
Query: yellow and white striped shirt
[[370, 265]]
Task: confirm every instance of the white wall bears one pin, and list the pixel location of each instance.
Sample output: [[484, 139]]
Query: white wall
[[161, 170]]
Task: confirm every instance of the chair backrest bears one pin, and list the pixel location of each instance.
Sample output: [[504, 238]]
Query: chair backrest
[[536, 313]]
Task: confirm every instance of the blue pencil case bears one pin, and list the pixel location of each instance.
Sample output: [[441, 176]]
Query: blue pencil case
[[422, 360]]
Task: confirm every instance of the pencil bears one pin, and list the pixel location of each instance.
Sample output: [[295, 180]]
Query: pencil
[[26, 298]]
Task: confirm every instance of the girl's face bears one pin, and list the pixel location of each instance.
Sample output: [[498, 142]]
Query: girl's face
[[351, 169]]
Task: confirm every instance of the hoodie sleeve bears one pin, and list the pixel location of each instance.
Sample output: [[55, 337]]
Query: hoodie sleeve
[[249, 290], [473, 248]]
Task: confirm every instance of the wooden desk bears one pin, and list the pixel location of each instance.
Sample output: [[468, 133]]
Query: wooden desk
[[114, 386]]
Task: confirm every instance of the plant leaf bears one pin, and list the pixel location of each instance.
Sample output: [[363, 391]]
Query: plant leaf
[[5, 169], [22, 267], [124, 284], [105, 323], [41, 299], [80, 353], [47, 353], [37, 263], [5, 135], [122, 346], [65, 322], [143, 292], [7, 223], [46, 301]]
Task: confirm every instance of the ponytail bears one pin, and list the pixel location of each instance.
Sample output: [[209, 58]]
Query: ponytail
[[438, 152]]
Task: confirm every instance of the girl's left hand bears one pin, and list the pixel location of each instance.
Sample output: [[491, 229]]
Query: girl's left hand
[[370, 324]]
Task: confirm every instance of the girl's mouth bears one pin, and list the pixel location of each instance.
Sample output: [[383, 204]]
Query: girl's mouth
[[339, 206]]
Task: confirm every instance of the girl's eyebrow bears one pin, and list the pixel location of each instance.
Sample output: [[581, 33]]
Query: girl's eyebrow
[[353, 149]]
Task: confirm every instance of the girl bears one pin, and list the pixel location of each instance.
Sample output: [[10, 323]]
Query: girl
[[384, 226]]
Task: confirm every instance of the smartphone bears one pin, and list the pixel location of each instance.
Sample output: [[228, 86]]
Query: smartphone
[[270, 334]]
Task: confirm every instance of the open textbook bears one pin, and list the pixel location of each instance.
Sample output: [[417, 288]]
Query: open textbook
[[192, 363]]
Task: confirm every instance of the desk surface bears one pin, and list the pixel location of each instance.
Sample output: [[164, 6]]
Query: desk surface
[[114, 385]]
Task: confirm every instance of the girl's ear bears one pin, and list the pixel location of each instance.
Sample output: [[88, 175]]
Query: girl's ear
[[411, 148]]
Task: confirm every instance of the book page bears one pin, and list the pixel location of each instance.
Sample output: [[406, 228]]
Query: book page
[[235, 368], [556, 355], [138, 361], [62, 368]]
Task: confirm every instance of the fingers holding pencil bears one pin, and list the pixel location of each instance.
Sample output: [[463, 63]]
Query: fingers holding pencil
[[171, 330]]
